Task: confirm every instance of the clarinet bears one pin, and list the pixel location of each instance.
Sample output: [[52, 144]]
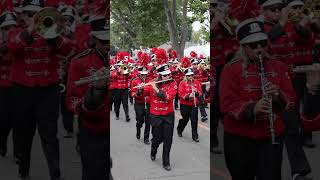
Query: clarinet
[[263, 87], [193, 91]]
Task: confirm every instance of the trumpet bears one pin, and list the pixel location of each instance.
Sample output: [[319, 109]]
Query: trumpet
[[263, 87], [152, 82], [125, 69], [49, 23], [194, 94]]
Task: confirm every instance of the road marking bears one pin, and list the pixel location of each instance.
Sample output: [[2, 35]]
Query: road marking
[[201, 125]]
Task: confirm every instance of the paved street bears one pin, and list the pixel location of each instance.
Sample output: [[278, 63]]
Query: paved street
[[220, 172], [70, 161], [131, 157]]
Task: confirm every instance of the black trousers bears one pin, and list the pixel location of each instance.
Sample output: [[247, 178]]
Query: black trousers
[[95, 155], [162, 131], [248, 159], [176, 101], [112, 98], [215, 114], [6, 119], [189, 112], [121, 96], [142, 116], [293, 132], [67, 117], [37, 107]]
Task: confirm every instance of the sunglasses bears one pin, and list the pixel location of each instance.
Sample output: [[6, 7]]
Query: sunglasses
[[254, 45], [296, 7], [189, 75], [29, 13], [69, 19], [166, 75], [317, 8]]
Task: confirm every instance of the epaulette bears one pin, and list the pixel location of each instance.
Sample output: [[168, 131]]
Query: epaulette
[[83, 53]]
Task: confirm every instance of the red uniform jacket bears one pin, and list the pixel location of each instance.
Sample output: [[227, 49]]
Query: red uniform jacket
[[303, 51], [282, 48], [202, 75], [133, 91], [240, 88], [161, 106], [36, 64], [121, 81], [185, 89], [85, 65]]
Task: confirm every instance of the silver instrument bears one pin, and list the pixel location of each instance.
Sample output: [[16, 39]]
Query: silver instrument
[[263, 88], [90, 79], [307, 68]]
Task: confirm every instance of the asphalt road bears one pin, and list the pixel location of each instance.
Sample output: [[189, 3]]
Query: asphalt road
[[220, 172], [131, 157], [69, 160]]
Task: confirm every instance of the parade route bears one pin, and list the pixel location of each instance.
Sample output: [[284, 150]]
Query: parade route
[[219, 170], [69, 160], [131, 157]]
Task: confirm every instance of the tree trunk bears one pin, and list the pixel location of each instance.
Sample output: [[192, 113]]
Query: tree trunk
[[184, 29], [171, 24]]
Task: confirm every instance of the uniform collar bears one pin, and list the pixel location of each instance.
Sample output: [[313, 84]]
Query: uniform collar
[[102, 57]]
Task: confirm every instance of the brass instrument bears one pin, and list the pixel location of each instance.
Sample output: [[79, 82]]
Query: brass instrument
[[49, 23], [152, 82], [263, 88], [307, 68], [125, 69]]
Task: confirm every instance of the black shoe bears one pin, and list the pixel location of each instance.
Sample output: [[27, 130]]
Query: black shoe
[[3, 151], [204, 119], [167, 167], [146, 141], [301, 177], [24, 178], [117, 118], [195, 139], [153, 157], [308, 143], [127, 119], [179, 134], [138, 133]]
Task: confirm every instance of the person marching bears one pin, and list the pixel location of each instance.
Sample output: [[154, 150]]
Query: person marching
[[90, 103], [7, 23], [36, 88], [189, 93], [121, 87], [161, 109], [142, 104], [284, 31], [255, 90]]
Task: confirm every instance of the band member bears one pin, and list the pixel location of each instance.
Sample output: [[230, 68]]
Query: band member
[[223, 47], [141, 104], [161, 109], [284, 32], [121, 87], [189, 92], [6, 25], [36, 88], [90, 102], [246, 105]]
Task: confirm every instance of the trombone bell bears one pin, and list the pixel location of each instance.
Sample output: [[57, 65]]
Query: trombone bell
[[49, 23]]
